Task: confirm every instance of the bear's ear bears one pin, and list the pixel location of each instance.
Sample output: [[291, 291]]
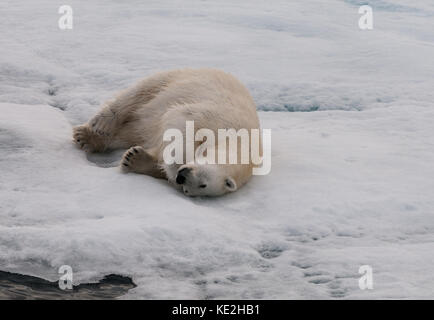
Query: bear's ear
[[230, 184]]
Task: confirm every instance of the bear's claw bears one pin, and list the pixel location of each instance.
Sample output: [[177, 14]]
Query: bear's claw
[[135, 159]]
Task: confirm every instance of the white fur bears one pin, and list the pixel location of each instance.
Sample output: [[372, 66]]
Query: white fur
[[139, 116]]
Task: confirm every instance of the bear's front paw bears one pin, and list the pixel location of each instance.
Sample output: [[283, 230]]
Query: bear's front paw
[[135, 159]]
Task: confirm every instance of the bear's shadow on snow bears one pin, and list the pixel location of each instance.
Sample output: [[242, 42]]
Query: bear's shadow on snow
[[108, 159]]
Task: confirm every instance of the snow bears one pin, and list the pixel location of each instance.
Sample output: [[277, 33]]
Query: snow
[[303, 55], [351, 183]]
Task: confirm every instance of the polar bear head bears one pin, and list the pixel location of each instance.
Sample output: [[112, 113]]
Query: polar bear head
[[207, 174], [210, 179]]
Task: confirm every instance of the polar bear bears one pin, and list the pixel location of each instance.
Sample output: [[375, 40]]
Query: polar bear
[[138, 117]]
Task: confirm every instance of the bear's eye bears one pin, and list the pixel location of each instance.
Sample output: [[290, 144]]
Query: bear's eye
[[202, 186]]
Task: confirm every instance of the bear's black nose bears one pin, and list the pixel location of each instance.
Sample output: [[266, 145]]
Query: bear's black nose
[[180, 179], [182, 174]]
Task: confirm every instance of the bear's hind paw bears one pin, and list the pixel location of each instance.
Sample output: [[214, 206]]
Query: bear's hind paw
[[86, 139]]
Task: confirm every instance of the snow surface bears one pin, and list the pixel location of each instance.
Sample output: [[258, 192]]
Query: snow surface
[[351, 184]]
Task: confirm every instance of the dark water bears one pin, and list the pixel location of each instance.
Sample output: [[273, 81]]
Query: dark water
[[17, 286]]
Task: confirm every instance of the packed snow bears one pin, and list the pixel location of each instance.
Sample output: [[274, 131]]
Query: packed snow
[[351, 184]]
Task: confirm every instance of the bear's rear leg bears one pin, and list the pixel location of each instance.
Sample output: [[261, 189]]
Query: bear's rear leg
[[88, 140], [138, 160], [106, 122]]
